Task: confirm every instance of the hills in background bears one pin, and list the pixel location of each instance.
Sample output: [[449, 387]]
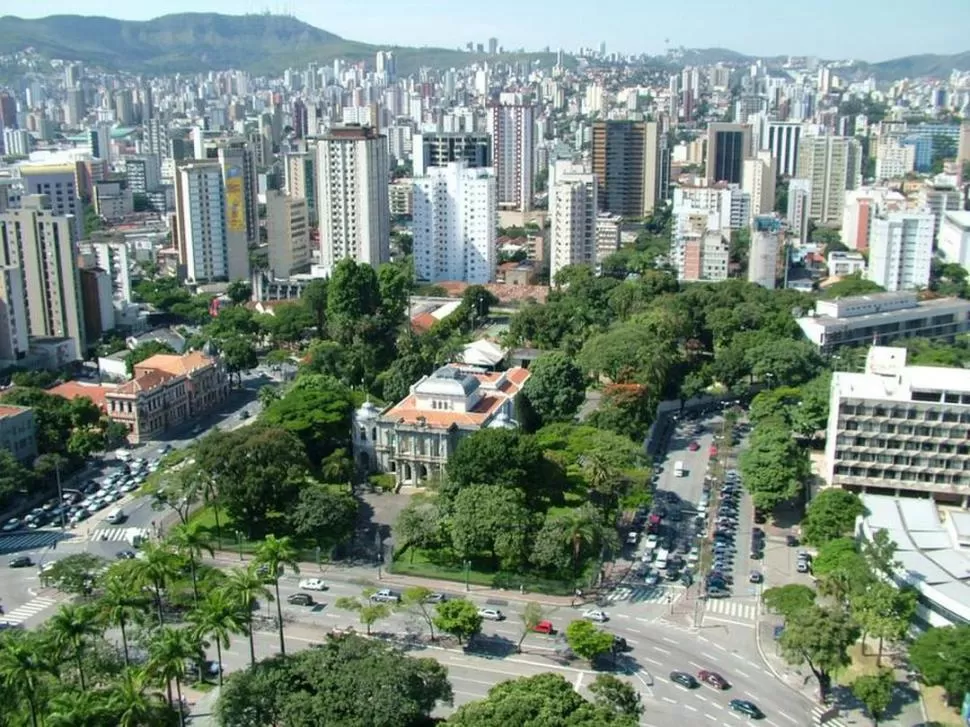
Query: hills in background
[[193, 42]]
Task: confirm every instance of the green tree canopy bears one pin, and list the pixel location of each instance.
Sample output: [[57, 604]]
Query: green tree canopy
[[774, 467], [942, 658], [831, 515], [788, 599], [587, 641], [819, 638], [324, 515], [317, 410], [556, 387]]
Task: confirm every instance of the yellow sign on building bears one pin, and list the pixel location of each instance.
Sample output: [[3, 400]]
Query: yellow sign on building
[[235, 202]]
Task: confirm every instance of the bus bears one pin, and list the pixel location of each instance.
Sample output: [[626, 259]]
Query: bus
[[679, 469]]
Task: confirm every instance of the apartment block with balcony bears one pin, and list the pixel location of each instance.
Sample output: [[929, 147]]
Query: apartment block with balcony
[[18, 432], [900, 430]]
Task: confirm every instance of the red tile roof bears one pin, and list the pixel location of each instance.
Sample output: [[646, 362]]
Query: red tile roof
[[75, 389]]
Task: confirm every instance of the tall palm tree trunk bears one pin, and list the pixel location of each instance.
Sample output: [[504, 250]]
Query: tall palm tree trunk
[[33, 710], [252, 643], [195, 582], [178, 691], [124, 640], [215, 511], [219, 658], [158, 606], [279, 615], [80, 668]]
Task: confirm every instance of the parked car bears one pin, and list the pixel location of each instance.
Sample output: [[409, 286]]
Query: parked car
[[749, 709], [11, 525], [684, 679], [386, 595], [755, 577], [313, 584], [544, 627], [713, 678], [803, 566], [713, 592], [125, 555], [693, 446], [22, 561], [491, 614], [436, 598], [791, 541], [300, 599]]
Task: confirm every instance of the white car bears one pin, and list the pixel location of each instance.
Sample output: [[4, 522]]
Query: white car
[[491, 614], [313, 584], [11, 525], [596, 615]]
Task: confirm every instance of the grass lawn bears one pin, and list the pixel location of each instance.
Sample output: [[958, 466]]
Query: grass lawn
[[236, 541], [937, 710], [419, 563], [861, 665]]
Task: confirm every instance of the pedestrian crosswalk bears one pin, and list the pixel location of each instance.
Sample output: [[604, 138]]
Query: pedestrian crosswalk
[[24, 612], [118, 534], [31, 540], [645, 594], [728, 607]]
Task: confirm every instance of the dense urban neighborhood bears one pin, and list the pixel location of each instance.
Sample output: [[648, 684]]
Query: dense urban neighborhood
[[392, 387]]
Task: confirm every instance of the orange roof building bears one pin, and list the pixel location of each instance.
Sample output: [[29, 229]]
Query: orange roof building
[[414, 438]]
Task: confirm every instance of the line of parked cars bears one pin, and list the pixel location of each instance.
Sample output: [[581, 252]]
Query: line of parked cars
[[720, 579]]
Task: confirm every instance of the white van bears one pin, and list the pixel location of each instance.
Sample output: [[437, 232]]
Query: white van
[[679, 469], [116, 516]]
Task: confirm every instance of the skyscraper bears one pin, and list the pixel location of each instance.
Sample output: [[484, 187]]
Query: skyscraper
[[728, 145], [901, 250], [8, 111], [511, 123], [441, 148], [300, 178], [14, 341], [832, 165], [62, 185], [628, 161], [43, 245], [300, 119], [573, 210], [238, 161], [782, 141], [759, 182], [352, 196], [287, 233], [210, 223], [455, 210]]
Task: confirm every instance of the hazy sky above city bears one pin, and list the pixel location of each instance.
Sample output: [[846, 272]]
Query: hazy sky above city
[[866, 29]]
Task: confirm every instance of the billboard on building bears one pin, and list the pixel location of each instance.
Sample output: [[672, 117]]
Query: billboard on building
[[235, 202]]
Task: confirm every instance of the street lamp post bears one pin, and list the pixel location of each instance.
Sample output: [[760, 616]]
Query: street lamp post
[[468, 565], [60, 491], [318, 558], [239, 544]]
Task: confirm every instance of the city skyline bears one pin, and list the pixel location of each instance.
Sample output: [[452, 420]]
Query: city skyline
[[757, 27]]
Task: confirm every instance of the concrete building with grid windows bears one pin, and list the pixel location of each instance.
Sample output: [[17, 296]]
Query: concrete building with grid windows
[[900, 430]]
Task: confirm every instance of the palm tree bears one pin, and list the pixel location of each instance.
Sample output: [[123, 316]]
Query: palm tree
[[120, 604], [154, 570], [168, 652], [580, 530], [78, 708], [210, 494], [245, 587], [23, 661], [70, 628], [218, 617], [275, 553], [190, 542], [131, 701]]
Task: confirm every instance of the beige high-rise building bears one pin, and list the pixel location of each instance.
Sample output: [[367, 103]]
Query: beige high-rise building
[[352, 194], [963, 146], [44, 246], [288, 233], [629, 163], [759, 175], [238, 161], [511, 124], [832, 165], [13, 313], [300, 178]]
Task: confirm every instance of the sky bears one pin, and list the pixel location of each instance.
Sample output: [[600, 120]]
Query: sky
[[870, 30]]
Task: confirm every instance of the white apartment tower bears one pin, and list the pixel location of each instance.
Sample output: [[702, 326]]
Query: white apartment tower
[[901, 250], [572, 211], [455, 211], [511, 123], [112, 257], [352, 196], [211, 224]]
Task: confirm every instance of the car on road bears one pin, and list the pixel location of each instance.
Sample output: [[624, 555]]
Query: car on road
[[11, 525], [684, 679], [686, 579], [313, 584], [544, 627], [594, 614], [651, 579], [713, 679], [491, 614], [125, 555], [300, 599], [748, 709], [436, 598], [385, 595], [713, 592], [22, 561], [693, 446], [791, 541], [620, 644], [803, 566], [755, 577]]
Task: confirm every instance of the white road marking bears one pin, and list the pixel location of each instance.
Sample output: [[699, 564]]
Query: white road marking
[[738, 671], [749, 694], [717, 645], [708, 656], [579, 681], [668, 699], [790, 719], [652, 661], [670, 641], [701, 697], [692, 709], [738, 656], [711, 717], [695, 664], [662, 650]]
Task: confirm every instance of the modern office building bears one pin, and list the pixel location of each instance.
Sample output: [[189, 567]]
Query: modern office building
[[782, 141], [573, 211], [439, 149], [728, 145], [763, 253], [629, 161], [511, 124], [239, 177], [832, 164], [455, 213], [44, 246], [898, 429], [287, 233], [953, 241], [352, 196], [210, 223], [901, 250], [759, 174], [882, 318]]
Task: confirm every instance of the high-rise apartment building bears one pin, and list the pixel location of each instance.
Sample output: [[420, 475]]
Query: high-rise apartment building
[[143, 173], [799, 207], [782, 141], [239, 176], [939, 199], [440, 149], [455, 212], [629, 159], [43, 245], [573, 211], [728, 202], [759, 175], [14, 331], [210, 223], [699, 250], [352, 196], [862, 206], [287, 233], [901, 250], [113, 258], [728, 145], [894, 160], [511, 124], [963, 145], [953, 240], [832, 164], [300, 178], [763, 253], [62, 186]]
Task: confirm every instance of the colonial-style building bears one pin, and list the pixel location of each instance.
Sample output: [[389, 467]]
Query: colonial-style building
[[414, 438], [166, 391]]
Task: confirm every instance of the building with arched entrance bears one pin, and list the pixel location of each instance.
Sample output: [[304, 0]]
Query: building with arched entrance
[[414, 438]]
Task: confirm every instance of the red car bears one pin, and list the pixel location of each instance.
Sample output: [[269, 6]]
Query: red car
[[713, 450], [713, 678], [693, 446], [545, 627]]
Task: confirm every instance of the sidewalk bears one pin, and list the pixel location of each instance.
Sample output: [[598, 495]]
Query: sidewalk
[[367, 576], [203, 705]]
